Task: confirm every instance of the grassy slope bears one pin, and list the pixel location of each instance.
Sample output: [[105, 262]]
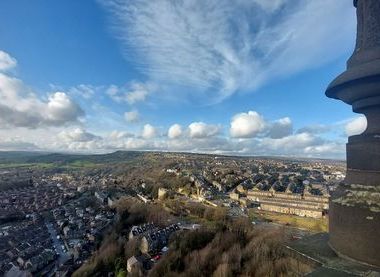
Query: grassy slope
[[68, 161]]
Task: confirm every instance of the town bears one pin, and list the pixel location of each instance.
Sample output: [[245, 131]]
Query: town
[[53, 222]]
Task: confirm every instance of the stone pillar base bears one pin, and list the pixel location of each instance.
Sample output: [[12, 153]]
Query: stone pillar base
[[363, 160], [354, 223], [363, 156]]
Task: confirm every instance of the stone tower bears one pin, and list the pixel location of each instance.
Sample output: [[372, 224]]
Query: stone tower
[[355, 206]]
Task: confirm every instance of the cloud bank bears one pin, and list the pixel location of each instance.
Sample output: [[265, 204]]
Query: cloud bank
[[275, 138]]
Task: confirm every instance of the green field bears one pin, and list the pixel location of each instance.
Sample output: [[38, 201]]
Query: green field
[[26, 165], [312, 224], [70, 165]]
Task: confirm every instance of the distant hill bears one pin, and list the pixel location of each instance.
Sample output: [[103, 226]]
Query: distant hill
[[19, 157], [23, 157]]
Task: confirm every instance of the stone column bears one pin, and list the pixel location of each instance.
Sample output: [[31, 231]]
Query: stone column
[[354, 219]]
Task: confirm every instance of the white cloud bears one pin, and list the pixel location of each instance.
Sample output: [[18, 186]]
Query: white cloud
[[132, 116], [217, 45], [143, 144], [281, 128], [213, 144], [6, 61], [246, 125], [77, 135], [85, 146], [203, 130], [113, 92], [149, 132], [131, 94], [252, 124], [175, 131], [61, 109], [356, 126], [298, 145], [21, 107]]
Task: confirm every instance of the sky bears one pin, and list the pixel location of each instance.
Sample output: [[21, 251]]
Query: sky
[[243, 77]]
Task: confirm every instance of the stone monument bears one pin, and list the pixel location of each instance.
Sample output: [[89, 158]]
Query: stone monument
[[354, 219]]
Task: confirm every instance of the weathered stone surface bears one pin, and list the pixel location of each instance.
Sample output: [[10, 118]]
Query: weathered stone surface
[[368, 32], [355, 232], [355, 207]]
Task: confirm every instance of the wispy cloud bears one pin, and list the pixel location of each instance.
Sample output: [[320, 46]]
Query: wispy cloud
[[132, 116], [84, 91], [224, 46], [131, 93]]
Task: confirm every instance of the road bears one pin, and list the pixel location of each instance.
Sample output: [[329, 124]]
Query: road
[[62, 256]]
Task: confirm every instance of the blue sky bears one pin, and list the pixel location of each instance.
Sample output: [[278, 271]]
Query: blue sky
[[244, 78]]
